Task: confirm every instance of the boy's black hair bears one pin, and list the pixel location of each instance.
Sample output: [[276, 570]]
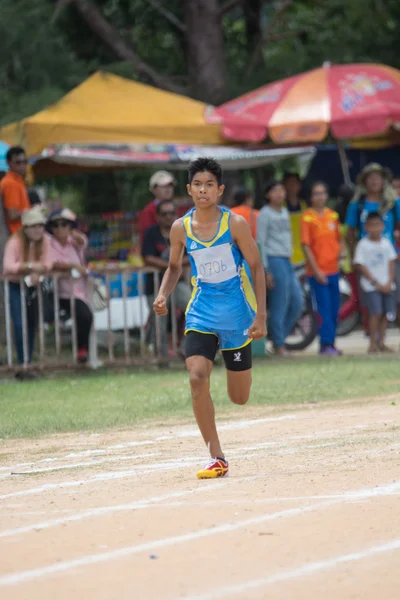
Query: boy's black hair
[[314, 185], [163, 203], [288, 175], [14, 151], [202, 164], [34, 198], [240, 197], [374, 215], [271, 184]]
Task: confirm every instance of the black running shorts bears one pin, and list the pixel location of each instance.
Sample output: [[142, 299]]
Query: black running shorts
[[206, 344]]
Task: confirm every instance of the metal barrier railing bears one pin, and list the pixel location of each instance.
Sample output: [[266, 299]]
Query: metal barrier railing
[[50, 355]]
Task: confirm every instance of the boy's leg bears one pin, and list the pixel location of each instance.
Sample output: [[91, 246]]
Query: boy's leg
[[239, 370], [278, 298], [373, 326], [389, 308], [335, 300], [322, 298], [296, 301], [374, 303], [382, 332], [200, 350]]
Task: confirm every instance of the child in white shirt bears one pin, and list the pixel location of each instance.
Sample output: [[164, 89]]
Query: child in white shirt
[[375, 258]]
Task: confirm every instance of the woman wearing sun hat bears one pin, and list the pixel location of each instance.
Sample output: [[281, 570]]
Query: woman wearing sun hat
[[27, 252], [68, 247], [374, 193]]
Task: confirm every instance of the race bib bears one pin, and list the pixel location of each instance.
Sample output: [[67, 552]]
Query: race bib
[[215, 264]]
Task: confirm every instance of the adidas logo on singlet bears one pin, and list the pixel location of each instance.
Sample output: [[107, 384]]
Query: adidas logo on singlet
[[193, 246]]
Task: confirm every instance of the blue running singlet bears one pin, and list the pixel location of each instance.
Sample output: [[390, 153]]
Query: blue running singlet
[[223, 301]]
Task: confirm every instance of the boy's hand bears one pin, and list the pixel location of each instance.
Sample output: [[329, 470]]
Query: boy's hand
[[160, 305], [386, 289], [258, 328], [269, 281], [321, 278]]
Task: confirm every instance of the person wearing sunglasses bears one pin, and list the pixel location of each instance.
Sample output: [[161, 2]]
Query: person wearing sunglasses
[[155, 252], [68, 248], [13, 190], [27, 253]]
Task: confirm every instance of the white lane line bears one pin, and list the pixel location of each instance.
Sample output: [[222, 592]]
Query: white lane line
[[307, 569], [92, 559], [92, 463], [167, 465], [184, 433], [138, 504], [149, 468], [163, 466], [194, 433], [76, 455]]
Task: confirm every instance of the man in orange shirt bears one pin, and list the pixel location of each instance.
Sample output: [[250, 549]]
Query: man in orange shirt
[[12, 188], [321, 242]]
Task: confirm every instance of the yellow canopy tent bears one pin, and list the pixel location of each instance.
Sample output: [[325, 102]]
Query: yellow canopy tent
[[107, 108]]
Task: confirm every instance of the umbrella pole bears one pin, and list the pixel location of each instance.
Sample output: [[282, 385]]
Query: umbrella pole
[[343, 162]]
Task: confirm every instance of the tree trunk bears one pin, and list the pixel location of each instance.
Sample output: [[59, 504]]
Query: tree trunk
[[252, 13], [110, 36], [206, 57]]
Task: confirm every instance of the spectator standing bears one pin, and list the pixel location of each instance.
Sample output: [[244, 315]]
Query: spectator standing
[[68, 247], [12, 188], [155, 252], [162, 186], [27, 252], [375, 258], [243, 205], [274, 238], [374, 193], [296, 206], [321, 241]]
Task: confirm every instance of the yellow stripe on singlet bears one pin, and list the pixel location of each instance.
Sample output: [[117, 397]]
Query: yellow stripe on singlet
[[222, 228]]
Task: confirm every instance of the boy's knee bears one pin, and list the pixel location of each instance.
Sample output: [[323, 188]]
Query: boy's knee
[[198, 379], [239, 398], [239, 394]]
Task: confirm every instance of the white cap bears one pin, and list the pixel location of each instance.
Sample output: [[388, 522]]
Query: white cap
[[161, 178], [34, 216]]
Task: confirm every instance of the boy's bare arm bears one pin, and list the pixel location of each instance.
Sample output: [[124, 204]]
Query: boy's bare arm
[[242, 235], [174, 270], [365, 273]]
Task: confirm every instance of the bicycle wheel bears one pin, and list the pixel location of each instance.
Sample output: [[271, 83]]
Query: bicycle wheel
[[306, 329]]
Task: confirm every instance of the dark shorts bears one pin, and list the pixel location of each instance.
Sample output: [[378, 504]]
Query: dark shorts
[[207, 344], [380, 304]]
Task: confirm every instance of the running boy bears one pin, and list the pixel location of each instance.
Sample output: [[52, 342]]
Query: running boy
[[223, 311], [375, 258]]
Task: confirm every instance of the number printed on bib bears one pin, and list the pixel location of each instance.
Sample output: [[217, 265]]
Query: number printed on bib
[[215, 264]]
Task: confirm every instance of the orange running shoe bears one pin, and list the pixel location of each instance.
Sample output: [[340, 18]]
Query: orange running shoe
[[217, 467]]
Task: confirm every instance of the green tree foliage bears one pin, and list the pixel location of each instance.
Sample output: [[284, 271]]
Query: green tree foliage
[[37, 65], [48, 46]]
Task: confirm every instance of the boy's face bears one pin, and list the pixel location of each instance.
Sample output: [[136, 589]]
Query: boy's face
[[204, 189], [374, 227]]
